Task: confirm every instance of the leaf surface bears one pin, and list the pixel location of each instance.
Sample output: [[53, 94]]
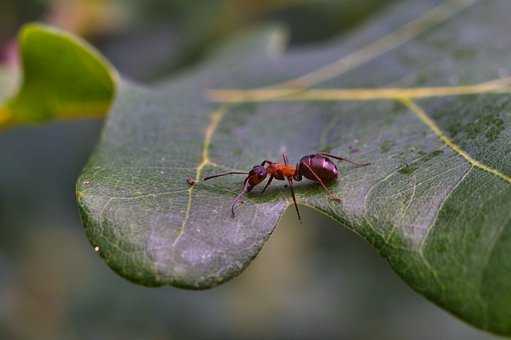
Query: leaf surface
[[421, 92]]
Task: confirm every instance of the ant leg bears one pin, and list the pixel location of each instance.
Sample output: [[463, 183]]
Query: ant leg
[[267, 184], [237, 199], [330, 193], [263, 163], [343, 159], [286, 161], [290, 181]]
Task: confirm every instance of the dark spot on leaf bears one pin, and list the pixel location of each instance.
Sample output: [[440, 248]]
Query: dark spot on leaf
[[489, 126], [454, 129], [432, 155], [386, 146], [409, 169]]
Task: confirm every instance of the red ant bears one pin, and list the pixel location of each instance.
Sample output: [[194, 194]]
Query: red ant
[[318, 168]]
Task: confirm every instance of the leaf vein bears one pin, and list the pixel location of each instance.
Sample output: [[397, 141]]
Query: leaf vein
[[495, 86], [430, 123], [422, 244], [215, 119]]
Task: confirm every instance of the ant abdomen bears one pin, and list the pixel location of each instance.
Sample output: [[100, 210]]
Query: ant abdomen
[[314, 166]]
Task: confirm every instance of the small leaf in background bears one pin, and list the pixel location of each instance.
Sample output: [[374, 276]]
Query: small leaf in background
[[63, 78], [422, 93]]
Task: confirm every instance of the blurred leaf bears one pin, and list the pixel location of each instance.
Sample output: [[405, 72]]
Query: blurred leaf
[[63, 78], [191, 29], [435, 201]]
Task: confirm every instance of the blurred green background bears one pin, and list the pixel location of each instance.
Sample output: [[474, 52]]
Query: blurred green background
[[314, 280]]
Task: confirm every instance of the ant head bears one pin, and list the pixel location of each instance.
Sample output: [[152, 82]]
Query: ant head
[[256, 176], [258, 171]]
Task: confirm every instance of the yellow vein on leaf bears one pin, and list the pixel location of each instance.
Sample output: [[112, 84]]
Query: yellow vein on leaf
[[356, 94], [216, 118]]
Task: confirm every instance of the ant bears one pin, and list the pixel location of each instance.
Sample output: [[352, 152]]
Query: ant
[[317, 167]]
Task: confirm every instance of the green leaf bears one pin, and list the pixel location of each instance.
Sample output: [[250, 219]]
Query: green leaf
[[63, 78], [421, 93]]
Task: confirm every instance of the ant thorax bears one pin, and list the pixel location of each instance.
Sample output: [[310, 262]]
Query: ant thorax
[[281, 171]]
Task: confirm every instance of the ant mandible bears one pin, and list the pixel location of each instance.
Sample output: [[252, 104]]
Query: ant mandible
[[317, 167]]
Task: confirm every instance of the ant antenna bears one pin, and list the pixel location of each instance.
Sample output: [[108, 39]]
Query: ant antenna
[[226, 174], [192, 181], [237, 199]]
